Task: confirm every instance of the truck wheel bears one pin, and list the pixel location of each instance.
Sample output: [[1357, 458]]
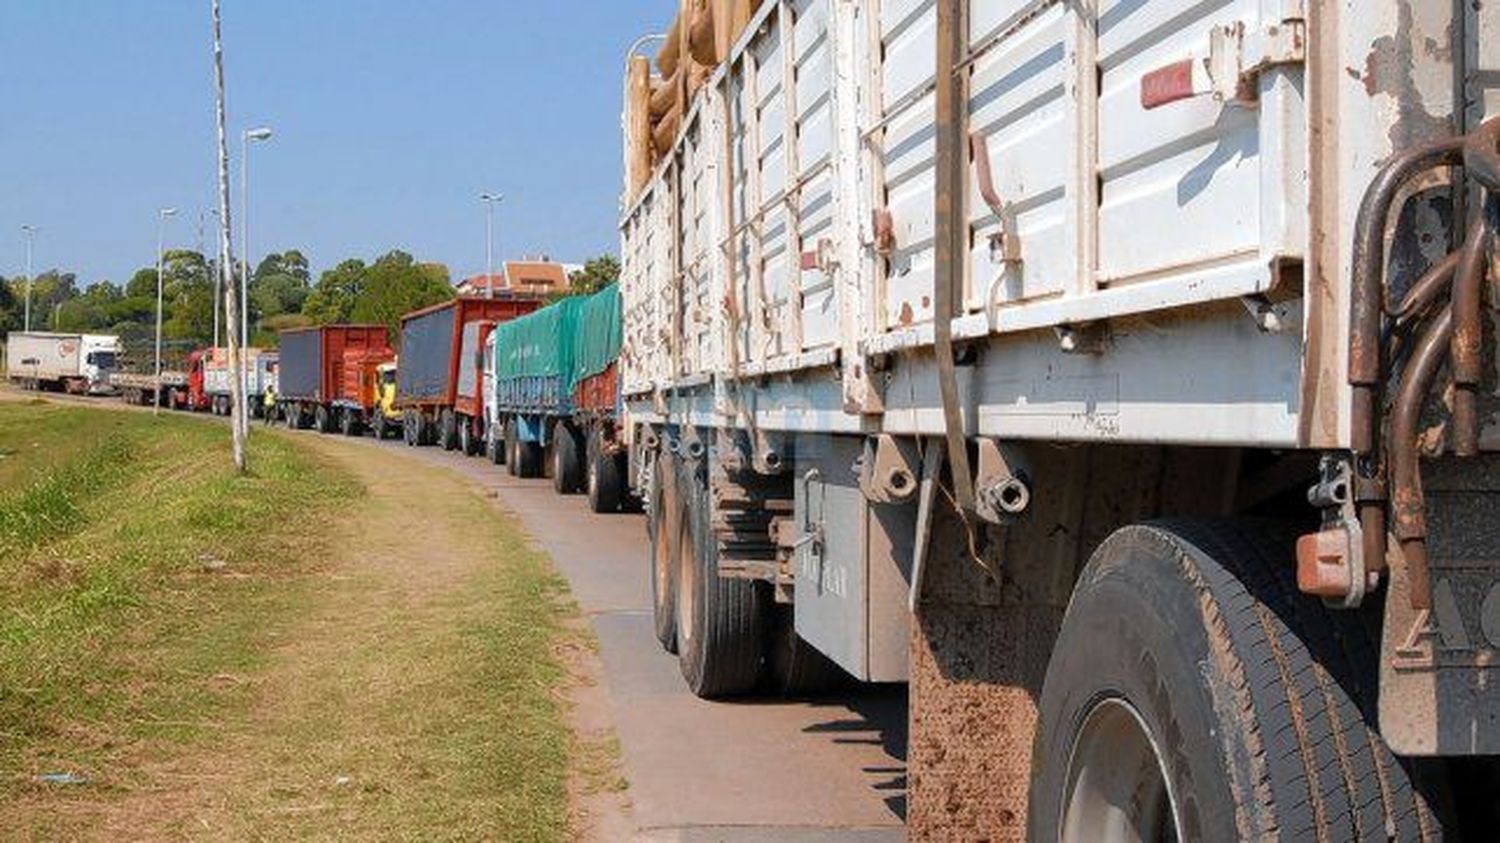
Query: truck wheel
[[409, 428], [423, 428], [348, 422], [494, 450], [1191, 675], [567, 463], [721, 623], [512, 461], [529, 459], [662, 529], [447, 432], [605, 479], [465, 436], [379, 426], [795, 668], [323, 419]]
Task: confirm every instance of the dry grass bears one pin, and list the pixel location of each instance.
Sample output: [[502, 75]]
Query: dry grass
[[346, 646]]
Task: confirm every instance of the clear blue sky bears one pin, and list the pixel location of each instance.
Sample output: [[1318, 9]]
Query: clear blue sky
[[390, 118]]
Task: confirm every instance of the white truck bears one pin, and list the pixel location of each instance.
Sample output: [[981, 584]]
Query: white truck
[[76, 363], [1118, 373], [218, 378]]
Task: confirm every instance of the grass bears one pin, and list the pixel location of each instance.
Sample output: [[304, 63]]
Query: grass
[[132, 570], [341, 646]]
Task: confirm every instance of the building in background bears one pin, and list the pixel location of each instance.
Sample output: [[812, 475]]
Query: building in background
[[538, 277]]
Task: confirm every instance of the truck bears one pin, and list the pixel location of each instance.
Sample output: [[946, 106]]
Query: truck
[[218, 383], [432, 355], [1117, 375], [552, 398], [61, 362], [136, 381], [328, 377]]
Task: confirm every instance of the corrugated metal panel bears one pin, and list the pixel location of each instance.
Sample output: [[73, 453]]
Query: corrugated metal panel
[[908, 44], [426, 356]]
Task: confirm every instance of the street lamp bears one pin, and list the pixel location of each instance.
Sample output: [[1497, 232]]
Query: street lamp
[[161, 236], [257, 134], [30, 232], [490, 200]]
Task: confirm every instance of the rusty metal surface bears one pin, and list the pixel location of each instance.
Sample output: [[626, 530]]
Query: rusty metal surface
[[1440, 674]]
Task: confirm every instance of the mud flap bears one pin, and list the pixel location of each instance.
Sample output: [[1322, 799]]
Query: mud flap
[[1440, 667]]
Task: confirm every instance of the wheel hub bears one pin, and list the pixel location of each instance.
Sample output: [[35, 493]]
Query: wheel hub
[[1117, 789]]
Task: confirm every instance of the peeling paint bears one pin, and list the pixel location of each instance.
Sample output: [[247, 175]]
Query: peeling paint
[[1390, 69]]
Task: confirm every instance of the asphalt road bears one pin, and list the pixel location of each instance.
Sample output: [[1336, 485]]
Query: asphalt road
[[828, 770]]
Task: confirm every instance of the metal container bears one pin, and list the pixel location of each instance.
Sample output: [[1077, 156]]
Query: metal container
[[312, 359], [432, 345]]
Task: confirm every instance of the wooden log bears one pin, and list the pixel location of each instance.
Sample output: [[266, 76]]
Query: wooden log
[[723, 17], [667, 58], [663, 96], [702, 45], [665, 131], [638, 149]]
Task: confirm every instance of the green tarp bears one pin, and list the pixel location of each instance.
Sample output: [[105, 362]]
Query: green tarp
[[539, 344], [574, 338], [597, 342]]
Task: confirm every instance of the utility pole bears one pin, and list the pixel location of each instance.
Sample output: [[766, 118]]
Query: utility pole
[[161, 260], [30, 232], [226, 262], [489, 200]]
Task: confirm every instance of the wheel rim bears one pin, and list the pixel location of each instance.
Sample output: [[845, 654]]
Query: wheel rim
[[1117, 785]]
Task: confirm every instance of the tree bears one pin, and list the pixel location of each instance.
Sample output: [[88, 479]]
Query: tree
[[332, 301], [595, 276], [396, 285]]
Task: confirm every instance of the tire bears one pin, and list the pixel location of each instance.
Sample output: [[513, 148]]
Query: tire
[[348, 422], [322, 419], [494, 448], [447, 430], [512, 461], [605, 477], [721, 623], [465, 438], [409, 428], [1191, 636], [381, 426], [567, 462], [795, 668], [662, 525], [421, 429]]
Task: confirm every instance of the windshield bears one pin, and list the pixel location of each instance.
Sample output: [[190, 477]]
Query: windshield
[[388, 377], [102, 359]]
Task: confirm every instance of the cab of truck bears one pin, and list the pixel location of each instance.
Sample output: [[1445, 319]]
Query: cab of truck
[[385, 390]]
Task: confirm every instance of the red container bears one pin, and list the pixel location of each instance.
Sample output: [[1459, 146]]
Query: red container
[[598, 394], [432, 345], [313, 359], [359, 376]]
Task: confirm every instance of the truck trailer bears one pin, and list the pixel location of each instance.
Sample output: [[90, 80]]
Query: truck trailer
[[432, 360], [553, 398], [218, 378], [328, 378], [76, 363], [1120, 375]]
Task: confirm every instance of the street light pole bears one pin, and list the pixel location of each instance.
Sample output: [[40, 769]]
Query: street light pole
[[30, 232], [161, 237], [259, 134], [218, 274], [489, 200]]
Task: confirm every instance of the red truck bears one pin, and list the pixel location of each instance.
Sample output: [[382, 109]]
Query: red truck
[[433, 366], [329, 376]]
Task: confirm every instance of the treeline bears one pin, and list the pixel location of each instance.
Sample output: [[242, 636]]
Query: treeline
[[282, 296]]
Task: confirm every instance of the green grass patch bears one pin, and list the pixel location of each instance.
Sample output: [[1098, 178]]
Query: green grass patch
[[136, 571]]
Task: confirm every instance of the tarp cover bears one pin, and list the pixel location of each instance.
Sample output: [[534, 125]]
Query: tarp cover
[[596, 343], [426, 356], [301, 374], [540, 344]]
